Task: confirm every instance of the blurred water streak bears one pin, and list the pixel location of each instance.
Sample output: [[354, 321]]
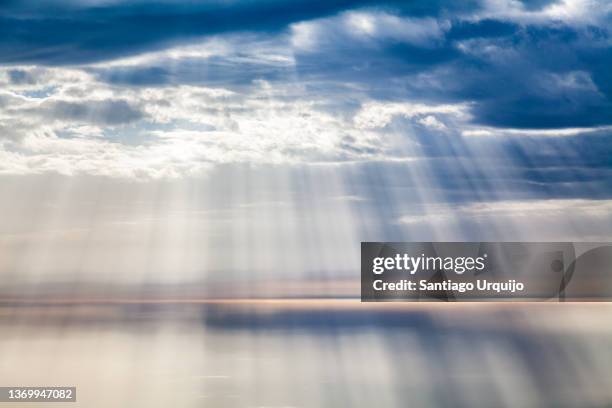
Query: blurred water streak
[[313, 353]]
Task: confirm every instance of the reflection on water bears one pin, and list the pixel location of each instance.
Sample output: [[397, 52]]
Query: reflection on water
[[313, 353]]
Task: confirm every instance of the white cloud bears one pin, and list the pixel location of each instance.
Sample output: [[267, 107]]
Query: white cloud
[[85, 126], [379, 114], [366, 27], [64, 120], [518, 211], [432, 122], [485, 131], [522, 220], [576, 12], [384, 26]]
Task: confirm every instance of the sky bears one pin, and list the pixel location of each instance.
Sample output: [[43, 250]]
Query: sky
[[239, 140]]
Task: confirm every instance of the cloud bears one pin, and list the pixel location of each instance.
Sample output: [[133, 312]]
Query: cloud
[[106, 112], [19, 77], [575, 12], [379, 115], [84, 126], [212, 63], [45, 33], [525, 220], [69, 121], [366, 29], [336, 83], [488, 53]]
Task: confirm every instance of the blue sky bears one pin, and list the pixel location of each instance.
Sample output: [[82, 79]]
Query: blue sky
[[141, 125]]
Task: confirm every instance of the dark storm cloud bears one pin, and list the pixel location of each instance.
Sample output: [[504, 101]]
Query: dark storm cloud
[[62, 32], [537, 77], [531, 73], [545, 75]]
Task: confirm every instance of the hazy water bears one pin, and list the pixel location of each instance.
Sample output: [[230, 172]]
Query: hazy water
[[311, 354]]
